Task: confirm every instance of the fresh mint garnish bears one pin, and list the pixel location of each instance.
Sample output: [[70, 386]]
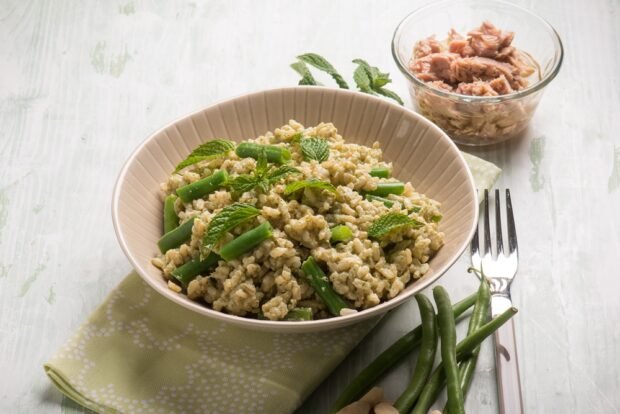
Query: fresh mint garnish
[[311, 183], [389, 222], [227, 219], [209, 150], [314, 148]]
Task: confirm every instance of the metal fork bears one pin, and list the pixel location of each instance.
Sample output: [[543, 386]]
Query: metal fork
[[500, 271]]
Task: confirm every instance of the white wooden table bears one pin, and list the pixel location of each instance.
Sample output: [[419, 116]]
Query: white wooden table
[[82, 83]]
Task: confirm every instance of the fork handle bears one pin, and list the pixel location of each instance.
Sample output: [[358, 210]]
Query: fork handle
[[507, 370]]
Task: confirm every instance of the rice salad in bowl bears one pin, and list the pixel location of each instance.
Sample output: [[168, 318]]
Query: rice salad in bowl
[[297, 224]]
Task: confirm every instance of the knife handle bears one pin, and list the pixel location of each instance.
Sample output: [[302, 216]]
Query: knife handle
[[507, 370]]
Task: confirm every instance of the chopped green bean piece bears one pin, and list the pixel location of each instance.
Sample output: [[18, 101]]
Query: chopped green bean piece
[[299, 314], [321, 285], [380, 172], [176, 237], [275, 154], [340, 233], [384, 189], [202, 187], [188, 271], [171, 220], [246, 242]]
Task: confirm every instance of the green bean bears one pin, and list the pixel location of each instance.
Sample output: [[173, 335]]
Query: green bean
[[386, 201], [299, 314], [479, 316], [389, 358], [278, 155], [340, 233], [380, 172], [171, 220], [426, 356], [176, 237], [188, 271], [246, 242], [321, 285], [202, 187], [386, 188], [447, 332], [463, 350]]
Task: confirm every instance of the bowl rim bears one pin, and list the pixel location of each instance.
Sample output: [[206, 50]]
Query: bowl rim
[[284, 326], [402, 66]]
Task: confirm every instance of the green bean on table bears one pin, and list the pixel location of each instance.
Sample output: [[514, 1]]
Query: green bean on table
[[426, 356], [389, 358], [479, 316], [463, 350], [447, 332]]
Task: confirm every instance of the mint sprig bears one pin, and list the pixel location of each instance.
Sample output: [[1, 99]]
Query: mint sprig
[[209, 150], [263, 176], [369, 79], [390, 222], [322, 64], [227, 219], [310, 183], [314, 148]]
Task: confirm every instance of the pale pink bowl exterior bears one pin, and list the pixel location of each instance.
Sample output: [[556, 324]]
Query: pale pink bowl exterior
[[420, 151]]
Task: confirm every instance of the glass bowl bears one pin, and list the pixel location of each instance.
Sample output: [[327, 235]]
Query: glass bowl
[[479, 120]]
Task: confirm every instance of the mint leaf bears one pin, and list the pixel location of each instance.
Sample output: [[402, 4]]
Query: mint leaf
[[243, 183], [306, 77], [207, 151], [281, 172], [362, 80], [311, 183], [321, 63], [227, 219], [369, 79], [388, 222], [315, 148]]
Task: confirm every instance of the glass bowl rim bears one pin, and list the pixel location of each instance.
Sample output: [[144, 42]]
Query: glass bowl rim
[[480, 99]]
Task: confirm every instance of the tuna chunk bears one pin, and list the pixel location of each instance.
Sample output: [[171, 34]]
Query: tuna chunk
[[477, 88], [436, 66], [475, 68], [487, 40], [501, 86], [425, 47]]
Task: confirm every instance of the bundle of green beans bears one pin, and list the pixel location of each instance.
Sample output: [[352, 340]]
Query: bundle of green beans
[[458, 361]]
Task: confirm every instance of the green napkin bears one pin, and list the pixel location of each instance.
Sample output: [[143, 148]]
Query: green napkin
[[139, 352]]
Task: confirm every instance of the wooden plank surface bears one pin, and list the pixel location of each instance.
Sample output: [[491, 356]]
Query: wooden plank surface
[[83, 83]]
